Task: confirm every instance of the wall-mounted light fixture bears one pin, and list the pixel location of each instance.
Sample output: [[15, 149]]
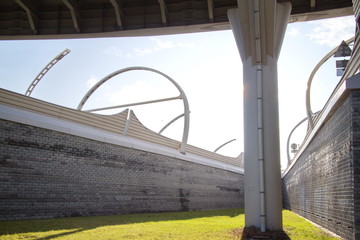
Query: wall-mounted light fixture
[[343, 51]]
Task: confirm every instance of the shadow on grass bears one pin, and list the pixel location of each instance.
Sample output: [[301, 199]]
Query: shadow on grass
[[77, 224], [255, 233], [60, 235]]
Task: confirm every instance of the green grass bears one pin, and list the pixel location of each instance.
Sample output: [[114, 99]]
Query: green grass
[[299, 228], [210, 224]]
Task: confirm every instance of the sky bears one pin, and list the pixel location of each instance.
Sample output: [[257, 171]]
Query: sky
[[206, 65]]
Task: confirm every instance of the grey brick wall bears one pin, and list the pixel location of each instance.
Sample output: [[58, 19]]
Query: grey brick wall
[[46, 174], [355, 154], [323, 185]]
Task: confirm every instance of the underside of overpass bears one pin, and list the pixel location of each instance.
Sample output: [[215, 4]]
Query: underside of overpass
[[258, 27], [47, 19]]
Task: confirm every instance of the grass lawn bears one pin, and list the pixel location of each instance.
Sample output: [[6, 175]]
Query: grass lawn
[[209, 224]]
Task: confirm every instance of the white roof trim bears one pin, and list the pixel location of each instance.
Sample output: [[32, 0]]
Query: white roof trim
[[76, 129]]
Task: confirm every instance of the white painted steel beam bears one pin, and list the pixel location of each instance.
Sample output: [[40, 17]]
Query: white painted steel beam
[[259, 27], [163, 11], [133, 104], [75, 14], [312, 4], [224, 144], [210, 4], [171, 122], [118, 12], [182, 96], [30, 12], [310, 114]]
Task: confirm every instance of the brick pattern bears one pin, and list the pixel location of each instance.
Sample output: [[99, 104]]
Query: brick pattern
[[45, 174], [355, 124], [322, 184]]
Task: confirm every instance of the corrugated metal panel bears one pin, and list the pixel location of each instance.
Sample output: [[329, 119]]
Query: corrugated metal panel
[[114, 123], [138, 130], [215, 156]]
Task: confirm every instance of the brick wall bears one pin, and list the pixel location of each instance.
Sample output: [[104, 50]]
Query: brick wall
[[323, 185], [355, 154], [47, 174]]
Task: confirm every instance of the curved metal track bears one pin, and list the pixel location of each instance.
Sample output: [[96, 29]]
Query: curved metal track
[[45, 70]]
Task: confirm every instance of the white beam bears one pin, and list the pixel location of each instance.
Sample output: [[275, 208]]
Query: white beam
[[133, 104], [30, 12], [75, 15], [312, 4], [210, 4], [118, 12], [163, 10]]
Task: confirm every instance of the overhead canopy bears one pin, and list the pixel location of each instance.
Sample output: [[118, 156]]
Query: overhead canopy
[[46, 19]]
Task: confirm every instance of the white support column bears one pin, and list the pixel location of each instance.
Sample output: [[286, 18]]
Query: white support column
[[259, 27]]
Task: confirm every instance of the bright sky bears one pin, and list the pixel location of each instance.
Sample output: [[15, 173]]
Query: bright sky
[[206, 65]]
